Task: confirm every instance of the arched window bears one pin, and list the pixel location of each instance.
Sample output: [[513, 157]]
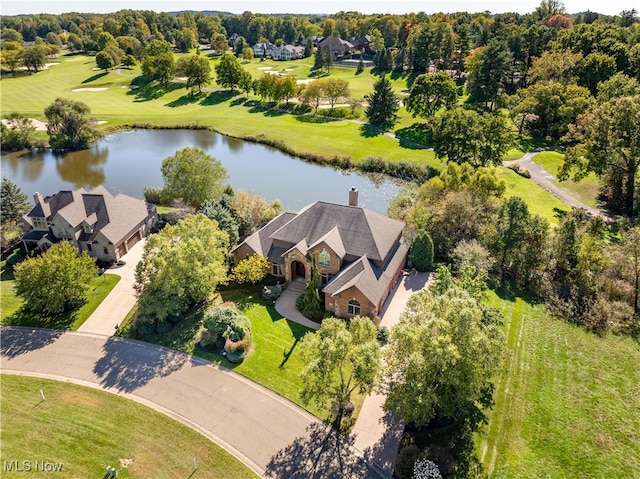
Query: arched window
[[324, 259], [353, 308]]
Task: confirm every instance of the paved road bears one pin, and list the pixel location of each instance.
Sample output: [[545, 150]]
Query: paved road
[[270, 434], [544, 179]]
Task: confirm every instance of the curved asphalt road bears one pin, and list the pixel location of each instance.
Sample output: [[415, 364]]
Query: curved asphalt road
[[268, 433]]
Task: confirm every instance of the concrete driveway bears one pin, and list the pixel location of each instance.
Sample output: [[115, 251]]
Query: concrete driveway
[[410, 283], [115, 307], [377, 432]]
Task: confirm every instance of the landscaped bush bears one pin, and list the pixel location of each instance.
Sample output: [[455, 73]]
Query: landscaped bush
[[163, 327], [156, 195], [146, 329], [224, 326], [421, 252], [398, 169], [383, 334]]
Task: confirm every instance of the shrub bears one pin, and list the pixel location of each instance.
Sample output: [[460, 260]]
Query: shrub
[[156, 195], [146, 329], [163, 327], [421, 252], [383, 334], [227, 323]]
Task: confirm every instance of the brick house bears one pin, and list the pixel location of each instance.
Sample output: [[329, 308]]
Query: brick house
[[103, 225], [360, 253]]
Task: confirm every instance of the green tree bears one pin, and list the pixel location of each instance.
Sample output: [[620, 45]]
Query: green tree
[[221, 210], [312, 94], [608, 144], [158, 63], [34, 57], [219, 43], [490, 72], [56, 280], [360, 68], [239, 45], [466, 136], [229, 71], [340, 360], [69, 125], [11, 55], [441, 357], [247, 54], [595, 68], [631, 249], [547, 110], [382, 110], [18, 132], [429, 93], [421, 252], [252, 269], [555, 67], [308, 48], [104, 60], [311, 306], [334, 90], [13, 202], [193, 176], [180, 267], [618, 85], [197, 70], [160, 68]]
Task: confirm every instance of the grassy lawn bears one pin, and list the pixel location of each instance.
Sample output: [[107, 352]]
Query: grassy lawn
[[226, 112], [567, 402], [585, 190], [13, 313], [85, 430], [538, 200], [273, 361]]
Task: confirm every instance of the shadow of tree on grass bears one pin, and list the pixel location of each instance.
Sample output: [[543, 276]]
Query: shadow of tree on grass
[[217, 97], [95, 77]]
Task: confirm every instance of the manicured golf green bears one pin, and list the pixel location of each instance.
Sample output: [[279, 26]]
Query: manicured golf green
[[83, 430], [567, 401]]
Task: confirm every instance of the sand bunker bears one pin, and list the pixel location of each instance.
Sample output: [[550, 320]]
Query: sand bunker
[[40, 125], [304, 81], [264, 68], [131, 87], [89, 89]]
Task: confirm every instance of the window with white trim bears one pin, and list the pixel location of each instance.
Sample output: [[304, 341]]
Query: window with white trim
[[324, 259], [276, 269], [40, 223], [353, 308], [325, 278]]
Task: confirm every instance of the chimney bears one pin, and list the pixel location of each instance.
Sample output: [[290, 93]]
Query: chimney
[[37, 198], [353, 196]]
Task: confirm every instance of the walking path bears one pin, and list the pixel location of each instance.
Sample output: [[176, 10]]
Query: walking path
[[115, 307], [544, 179], [271, 435]]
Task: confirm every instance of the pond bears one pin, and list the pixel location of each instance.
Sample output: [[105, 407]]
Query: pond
[[128, 161]]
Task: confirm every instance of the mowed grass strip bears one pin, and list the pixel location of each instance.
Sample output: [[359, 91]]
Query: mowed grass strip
[[585, 190], [87, 430], [567, 401], [12, 312], [539, 200]]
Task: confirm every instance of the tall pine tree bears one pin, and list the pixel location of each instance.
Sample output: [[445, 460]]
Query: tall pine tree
[[383, 105]]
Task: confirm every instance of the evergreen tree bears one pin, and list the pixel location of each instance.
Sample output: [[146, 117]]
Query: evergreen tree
[[399, 60], [387, 62], [311, 306], [383, 105], [308, 48], [13, 202], [360, 68]]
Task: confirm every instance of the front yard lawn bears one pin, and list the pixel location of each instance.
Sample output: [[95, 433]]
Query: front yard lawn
[[13, 313]]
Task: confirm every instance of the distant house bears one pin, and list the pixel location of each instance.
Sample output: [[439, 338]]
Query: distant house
[[337, 46], [103, 225], [287, 52], [263, 49], [360, 253], [361, 43], [315, 40]]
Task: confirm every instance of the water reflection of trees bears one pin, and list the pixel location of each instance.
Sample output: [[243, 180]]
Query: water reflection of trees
[[234, 144], [29, 163], [83, 168]]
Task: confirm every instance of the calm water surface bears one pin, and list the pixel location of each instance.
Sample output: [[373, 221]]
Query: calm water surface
[[129, 161]]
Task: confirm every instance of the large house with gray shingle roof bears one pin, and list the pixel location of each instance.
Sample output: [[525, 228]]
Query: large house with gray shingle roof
[[360, 253], [103, 225]]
